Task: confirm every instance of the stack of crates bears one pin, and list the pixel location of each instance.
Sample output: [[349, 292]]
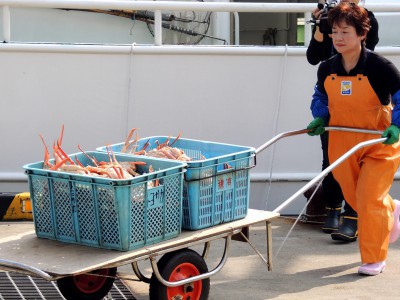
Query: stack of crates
[[119, 214], [216, 183]]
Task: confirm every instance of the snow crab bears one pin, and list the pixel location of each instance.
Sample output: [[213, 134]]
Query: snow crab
[[162, 150], [112, 169]]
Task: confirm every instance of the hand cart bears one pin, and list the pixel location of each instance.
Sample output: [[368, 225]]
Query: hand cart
[[88, 273]]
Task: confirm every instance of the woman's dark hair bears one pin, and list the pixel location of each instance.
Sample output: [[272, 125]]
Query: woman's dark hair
[[351, 14]]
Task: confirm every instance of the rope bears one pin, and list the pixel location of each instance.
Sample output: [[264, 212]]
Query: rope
[[298, 218], [276, 125]]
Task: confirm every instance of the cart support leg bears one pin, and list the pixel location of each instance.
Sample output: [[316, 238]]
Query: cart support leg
[[268, 260], [269, 244]]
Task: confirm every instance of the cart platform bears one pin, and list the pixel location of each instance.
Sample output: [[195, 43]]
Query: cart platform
[[20, 246]]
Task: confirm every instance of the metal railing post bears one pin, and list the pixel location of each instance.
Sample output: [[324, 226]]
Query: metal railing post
[[6, 24], [157, 28]]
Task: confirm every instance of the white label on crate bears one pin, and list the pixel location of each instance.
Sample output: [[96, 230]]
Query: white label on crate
[[155, 196]]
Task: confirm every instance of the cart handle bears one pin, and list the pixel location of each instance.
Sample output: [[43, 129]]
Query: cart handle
[[327, 170], [301, 131]]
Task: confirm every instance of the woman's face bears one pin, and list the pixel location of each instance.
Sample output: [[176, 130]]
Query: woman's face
[[345, 38]]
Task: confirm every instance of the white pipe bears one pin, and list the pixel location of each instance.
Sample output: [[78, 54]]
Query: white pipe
[[277, 177], [254, 177], [13, 176], [170, 49], [307, 29], [237, 27], [6, 24], [289, 177], [157, 28]]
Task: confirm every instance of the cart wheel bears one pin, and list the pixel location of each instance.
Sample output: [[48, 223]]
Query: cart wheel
[[86, 286], [176, 266]]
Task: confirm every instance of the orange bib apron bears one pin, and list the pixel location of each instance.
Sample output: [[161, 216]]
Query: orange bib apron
[[367, 175]]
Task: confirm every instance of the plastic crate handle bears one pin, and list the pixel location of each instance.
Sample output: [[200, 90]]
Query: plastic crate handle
[[223, 172]]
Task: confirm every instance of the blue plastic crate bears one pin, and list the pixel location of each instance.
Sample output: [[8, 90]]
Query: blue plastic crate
[[115, 214], [211, 195]]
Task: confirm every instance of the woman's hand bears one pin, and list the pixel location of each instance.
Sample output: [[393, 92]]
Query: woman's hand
[[316, 126], [392, 135]]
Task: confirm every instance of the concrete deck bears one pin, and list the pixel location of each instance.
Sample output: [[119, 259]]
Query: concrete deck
[[309, 265]]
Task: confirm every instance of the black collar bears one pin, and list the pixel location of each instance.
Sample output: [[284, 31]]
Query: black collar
[[337, 66]]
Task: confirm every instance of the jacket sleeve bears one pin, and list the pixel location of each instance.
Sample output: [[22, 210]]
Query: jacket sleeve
[[396, 109], [319, 105], [314, 51]]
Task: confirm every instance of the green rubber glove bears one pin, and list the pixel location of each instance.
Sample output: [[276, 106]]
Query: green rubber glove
[[392, 134], [316, 127]]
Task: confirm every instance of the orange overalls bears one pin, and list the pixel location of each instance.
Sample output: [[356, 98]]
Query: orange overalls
[[367, 175]]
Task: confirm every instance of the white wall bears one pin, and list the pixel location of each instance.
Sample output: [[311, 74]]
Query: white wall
[[236, 95]]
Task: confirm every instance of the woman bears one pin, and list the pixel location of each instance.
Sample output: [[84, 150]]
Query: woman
[[319, 49], [357, 88]]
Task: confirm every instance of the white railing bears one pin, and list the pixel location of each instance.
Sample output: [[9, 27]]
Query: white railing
[[158, 6]]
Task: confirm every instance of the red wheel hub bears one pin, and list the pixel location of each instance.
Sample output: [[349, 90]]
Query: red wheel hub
[[190, 291], [87, 283]]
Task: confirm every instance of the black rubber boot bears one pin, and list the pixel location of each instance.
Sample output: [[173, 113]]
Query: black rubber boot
[[332, 219], [347, 230]]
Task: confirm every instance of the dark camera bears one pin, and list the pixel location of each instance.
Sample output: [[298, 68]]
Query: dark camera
[[322, 22]]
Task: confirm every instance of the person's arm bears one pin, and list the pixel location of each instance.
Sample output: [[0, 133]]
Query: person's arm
[[319, 105], [373, 34], [315, 48], [396, 109], [319, 102], [389, 77], [392, 132], [315, 52]]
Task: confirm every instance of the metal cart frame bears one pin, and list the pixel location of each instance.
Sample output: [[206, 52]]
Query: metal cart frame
[[61, 260], [56, 261]]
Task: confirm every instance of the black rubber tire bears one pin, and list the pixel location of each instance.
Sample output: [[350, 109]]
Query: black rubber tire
[[86, 287], [166, 266]]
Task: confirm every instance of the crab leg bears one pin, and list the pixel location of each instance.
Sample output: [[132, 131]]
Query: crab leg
[[59, 164], [93, 160], [156, 182], [59, 141], [177, 138], [46, 161], [128, 143], [61, 153]]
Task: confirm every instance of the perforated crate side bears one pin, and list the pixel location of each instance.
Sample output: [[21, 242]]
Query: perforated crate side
[[41, 206], [63, 203], [86, 211], [173, 205], [221, 198], [156, 211]]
